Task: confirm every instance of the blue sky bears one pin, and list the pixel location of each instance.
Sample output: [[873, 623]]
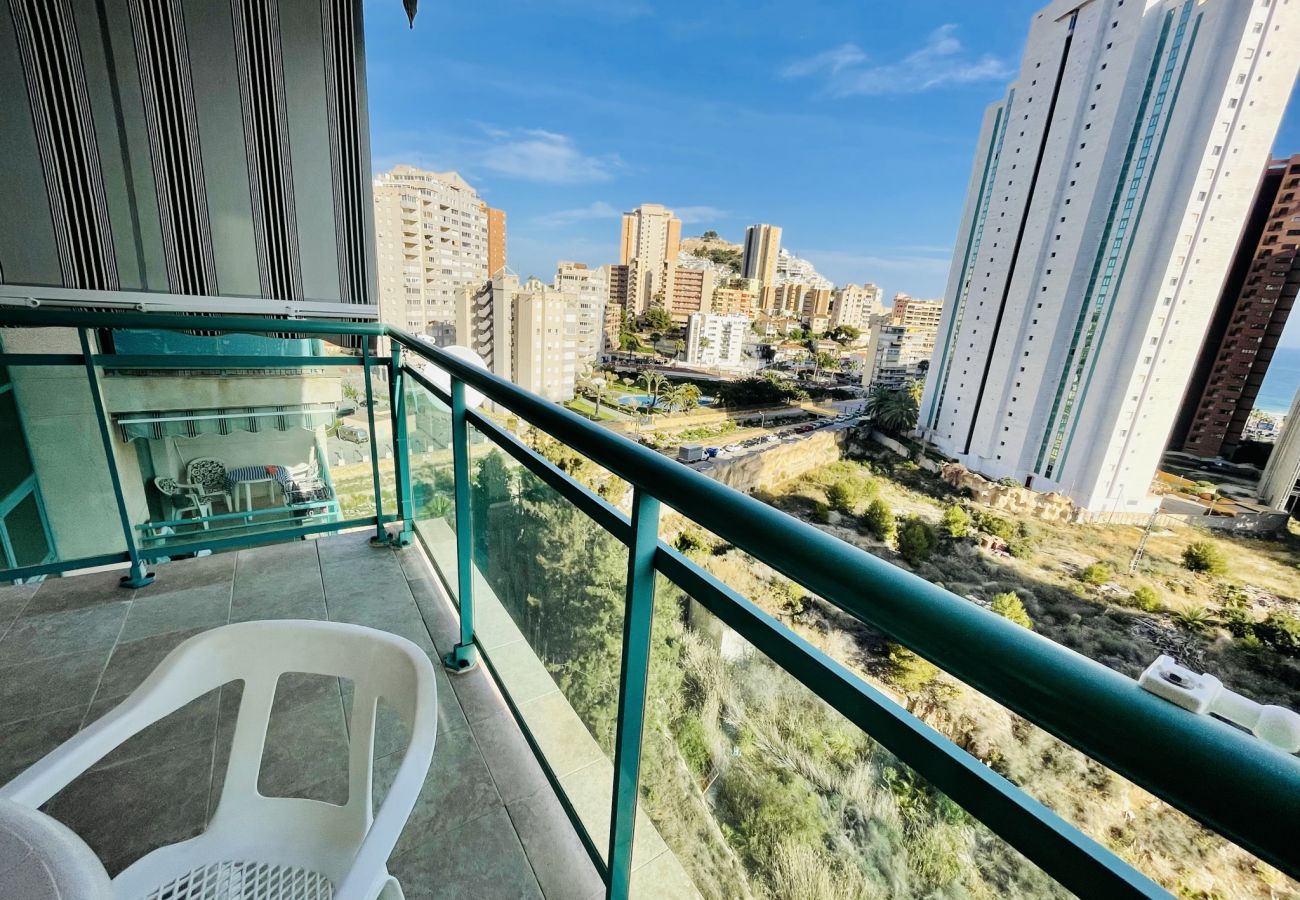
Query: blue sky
[[850, 124]]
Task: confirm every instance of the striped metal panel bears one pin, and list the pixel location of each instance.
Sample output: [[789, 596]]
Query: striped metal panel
[[65, 134], [349, 165], [167, 88], [260, 71]]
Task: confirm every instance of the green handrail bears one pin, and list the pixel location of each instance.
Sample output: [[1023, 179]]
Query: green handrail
[[1220, 776]]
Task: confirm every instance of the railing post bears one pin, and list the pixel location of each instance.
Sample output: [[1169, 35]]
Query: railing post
[[401, 461], [139, 576], [380, 538], [638, 619], [464, 655]]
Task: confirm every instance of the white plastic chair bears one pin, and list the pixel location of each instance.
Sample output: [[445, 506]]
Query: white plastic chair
[[271, 848]]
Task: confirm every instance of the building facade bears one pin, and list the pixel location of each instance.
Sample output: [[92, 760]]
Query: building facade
[[586, 290], [1108, 192], [716, 341], [895, 354], [1248, 320], [431, 240], [853, 305], [762, 246], [651, 238], [496, 240], [1279, 486]]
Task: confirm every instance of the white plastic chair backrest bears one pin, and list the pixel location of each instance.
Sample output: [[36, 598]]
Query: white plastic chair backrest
[[207, 471], [380, 665]]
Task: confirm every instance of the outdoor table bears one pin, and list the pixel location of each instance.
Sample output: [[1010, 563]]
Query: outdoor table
[[247, 476], [42, 859]]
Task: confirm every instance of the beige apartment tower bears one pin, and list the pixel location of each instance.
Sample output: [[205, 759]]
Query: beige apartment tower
[[652, 237], [762, 246], [431, 240]]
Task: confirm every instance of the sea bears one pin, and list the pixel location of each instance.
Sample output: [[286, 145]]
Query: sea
[[1281, 382]]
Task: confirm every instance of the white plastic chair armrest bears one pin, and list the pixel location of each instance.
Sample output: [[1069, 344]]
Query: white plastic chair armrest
[[393, 814], [156, 698]]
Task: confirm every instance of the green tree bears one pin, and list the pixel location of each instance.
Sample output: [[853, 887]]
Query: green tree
[[709, 235], [995, 525], [679, 347], [1009, 606], [894, 410], [351, 392], [917, 540], [955, 523], [657, 318], [1202, 556], [879, 520]]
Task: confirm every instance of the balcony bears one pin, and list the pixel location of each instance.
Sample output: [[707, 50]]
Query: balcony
[[617, 718]]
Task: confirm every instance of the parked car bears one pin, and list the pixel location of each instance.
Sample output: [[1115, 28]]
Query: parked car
[[346, 410], [353, 434]]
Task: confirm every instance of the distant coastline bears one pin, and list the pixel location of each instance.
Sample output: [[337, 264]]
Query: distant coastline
[[1281, 382]]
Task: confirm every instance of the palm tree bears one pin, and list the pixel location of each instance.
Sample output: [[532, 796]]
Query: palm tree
[[654, 386], [894, 409], [823, 360], [688, 395], [678, 346]]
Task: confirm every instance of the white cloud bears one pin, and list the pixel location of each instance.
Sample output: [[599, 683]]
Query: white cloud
[[894, 268], [537, 155], [691, 215], [940, 62], [597, 210], [828, 60]]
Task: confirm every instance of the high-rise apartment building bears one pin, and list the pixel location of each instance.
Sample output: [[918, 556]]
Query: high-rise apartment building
[[652, 237], [739, 296], [1279, 486], [692, 292], [431, 240], [1248, 319], [496, 240], [853, 305], [1108, 193], [716, 341], [895, 354], [762, 245], [920, 317], [586, 291], [527, 333]]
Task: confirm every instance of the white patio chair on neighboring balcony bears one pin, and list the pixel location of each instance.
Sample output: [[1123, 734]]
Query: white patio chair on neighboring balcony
[[184, 499], [209, 474], [271, 848]]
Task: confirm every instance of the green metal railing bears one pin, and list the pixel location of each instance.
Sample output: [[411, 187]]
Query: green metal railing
[[1216, 774]]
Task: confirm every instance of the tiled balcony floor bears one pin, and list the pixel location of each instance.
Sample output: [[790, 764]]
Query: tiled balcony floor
[[486, 825]]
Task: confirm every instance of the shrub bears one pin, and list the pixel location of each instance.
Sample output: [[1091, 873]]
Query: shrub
[[1193, 619], [689, 541], [1008, 606], [822, 513], [1146, 598], [1202, 556], [955, 523], [879, 520], [1097, 573], [1281, 632], [909, 672], [917, 540], [1024, 541], [996, 526], [845, 495]]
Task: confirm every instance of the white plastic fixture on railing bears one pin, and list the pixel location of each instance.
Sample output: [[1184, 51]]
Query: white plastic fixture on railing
[[1206, 695]]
